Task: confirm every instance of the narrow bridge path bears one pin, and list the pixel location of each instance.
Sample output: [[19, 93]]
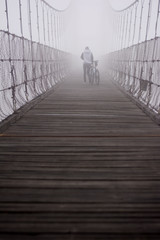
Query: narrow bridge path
[[82, 164]]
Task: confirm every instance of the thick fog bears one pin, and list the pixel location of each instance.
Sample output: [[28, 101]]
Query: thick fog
[[87, 23], [90, 23], [77, 24]]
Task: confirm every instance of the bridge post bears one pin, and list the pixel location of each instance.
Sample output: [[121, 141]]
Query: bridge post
[[12, 70]]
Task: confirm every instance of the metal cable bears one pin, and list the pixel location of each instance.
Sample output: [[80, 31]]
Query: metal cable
[[135, 66], [28, 66], [123, 10]]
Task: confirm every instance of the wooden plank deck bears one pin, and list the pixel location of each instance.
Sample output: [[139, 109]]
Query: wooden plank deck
[[82, 164]]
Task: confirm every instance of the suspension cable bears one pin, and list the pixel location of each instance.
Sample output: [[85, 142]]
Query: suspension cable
[[55, 9], [135, 64], [35, 60], [115, 10]]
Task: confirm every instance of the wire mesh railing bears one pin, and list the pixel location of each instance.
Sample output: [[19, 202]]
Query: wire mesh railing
[[27, 72], [30, 63], [135, 61], [139, 75]]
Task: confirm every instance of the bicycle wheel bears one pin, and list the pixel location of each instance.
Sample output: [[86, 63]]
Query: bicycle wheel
[[91, 76], [97, 77]]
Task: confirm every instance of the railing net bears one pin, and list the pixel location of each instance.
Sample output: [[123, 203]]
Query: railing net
[[30, 66], [135, 61]]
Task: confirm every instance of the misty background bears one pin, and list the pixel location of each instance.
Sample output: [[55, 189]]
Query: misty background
[[103, 25], [87, 23]]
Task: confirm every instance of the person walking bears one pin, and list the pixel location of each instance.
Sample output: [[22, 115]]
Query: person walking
[[87, 58]]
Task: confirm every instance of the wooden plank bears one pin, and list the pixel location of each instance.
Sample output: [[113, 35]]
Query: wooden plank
[[73, 235], [82, 164]]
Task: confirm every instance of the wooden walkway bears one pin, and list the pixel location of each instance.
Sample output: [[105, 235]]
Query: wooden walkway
[[82, 164]]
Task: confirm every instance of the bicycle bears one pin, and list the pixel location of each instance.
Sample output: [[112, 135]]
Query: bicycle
[[94, 75]]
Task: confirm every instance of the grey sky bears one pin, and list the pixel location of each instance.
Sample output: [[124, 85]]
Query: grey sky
[[90, 23], [90, 18], [116, 4]]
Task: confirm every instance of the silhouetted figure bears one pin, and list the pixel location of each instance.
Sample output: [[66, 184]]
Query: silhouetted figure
[[87, 57]]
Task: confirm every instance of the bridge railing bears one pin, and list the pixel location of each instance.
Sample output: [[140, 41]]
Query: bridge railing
[[33, 60], [135, 60], [27, 69], [139, 74]]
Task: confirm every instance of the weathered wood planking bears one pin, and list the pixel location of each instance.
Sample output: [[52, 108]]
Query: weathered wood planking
[[82, 164]]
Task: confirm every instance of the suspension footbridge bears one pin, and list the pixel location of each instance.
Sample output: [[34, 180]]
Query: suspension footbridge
[[79, 161]]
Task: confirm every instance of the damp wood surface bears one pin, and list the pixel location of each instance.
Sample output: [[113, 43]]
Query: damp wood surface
[[84, 163]]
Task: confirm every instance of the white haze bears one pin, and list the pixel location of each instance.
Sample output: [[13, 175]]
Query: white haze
[[89, 27], [89, 23], [116, 4]]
